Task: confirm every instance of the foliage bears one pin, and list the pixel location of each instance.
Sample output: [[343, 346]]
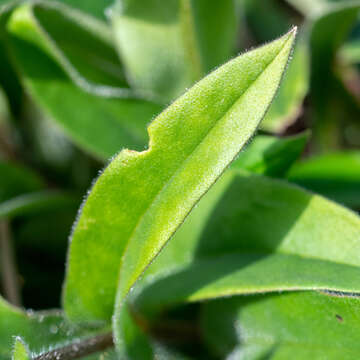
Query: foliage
[[229, 175]]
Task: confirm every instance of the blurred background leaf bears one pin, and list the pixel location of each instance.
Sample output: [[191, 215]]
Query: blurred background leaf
[[80, 80]]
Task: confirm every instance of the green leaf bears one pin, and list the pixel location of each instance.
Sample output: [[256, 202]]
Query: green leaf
[[4, 111], [102, 128], [94, 8], [41, 222], [335, 175], [265, 19], [325, 40], [167, 46], [304, 325], [8, 79], [81, 45], [16, 180], [142, 198], [309, 7], [286, 106], [256, 226], [41, 331], [350, 52], [331, 100], [35, 202], [20, 350], [272, 156]]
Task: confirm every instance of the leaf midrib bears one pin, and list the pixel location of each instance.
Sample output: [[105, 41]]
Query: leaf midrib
[[185, 161]]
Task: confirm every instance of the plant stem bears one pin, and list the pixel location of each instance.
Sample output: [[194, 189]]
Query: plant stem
[[6, 148], [80, 349], [8, 265]]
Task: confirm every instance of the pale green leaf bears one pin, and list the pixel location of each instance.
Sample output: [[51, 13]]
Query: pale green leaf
[[304, 325], [141, 198], [167, 46], [103, 128], [20, 351]]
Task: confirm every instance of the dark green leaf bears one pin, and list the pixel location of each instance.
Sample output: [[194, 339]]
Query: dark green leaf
[[331, 100], [271, 156], [102, 128], [287, 105], [335, 175], [95, 8], [248, 226], [35, 202], [304, 325], [16, 180]]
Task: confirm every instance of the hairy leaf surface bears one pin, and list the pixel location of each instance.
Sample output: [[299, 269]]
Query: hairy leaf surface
[[20, 351], [141, 198], [41, 331]]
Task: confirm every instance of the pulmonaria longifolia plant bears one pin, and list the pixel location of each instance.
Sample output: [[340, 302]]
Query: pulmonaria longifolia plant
[[193, 211]]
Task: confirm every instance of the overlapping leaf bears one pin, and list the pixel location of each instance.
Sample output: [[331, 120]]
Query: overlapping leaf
[[300, 325], [335, 175], [287, 105], [141, 198], [272, 156], [167, 46], [40, 331], [73, 92], [260, 235], [266, 155]]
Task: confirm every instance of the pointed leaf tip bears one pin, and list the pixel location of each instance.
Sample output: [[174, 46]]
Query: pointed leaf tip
[[141, 199], [20, 351]]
